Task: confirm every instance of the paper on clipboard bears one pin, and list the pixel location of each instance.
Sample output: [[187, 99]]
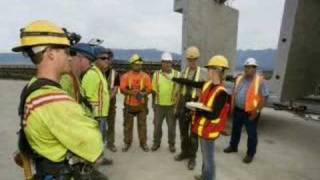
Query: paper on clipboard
[[197, 105]]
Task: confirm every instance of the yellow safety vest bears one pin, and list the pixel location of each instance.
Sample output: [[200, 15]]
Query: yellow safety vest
[[197, 78], [95, 87], [167, 89], [54, 123]]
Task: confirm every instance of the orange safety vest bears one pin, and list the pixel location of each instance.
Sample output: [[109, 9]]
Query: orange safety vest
[[142, 86], [210, 128], [253, 97]]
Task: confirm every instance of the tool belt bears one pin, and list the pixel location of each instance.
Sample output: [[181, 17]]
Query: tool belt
[[135, 109], [65, 170], [46, 168]]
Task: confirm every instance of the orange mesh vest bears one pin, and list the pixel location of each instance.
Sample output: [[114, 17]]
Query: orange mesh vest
[[253, 96], [210, 128], [142, 87]]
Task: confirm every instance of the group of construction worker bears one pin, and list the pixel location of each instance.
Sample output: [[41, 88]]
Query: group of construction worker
[[68, 108]]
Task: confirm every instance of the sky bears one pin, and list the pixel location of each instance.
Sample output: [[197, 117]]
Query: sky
[[135, 24]]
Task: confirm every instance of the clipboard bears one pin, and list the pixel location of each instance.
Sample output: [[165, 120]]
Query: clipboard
[[197, 105]]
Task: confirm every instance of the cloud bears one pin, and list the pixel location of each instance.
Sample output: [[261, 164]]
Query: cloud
[[259, 23], [134, 24], [122, 24]]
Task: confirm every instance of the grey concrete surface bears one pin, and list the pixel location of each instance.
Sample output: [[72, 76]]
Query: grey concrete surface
[[289, 149]]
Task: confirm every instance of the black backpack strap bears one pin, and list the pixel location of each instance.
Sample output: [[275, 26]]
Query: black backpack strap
[[23, 144], [85, 101]]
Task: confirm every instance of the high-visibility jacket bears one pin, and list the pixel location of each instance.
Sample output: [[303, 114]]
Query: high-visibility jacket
[[96, 90], [165, 89], [54, 123], [71, 84], [196, 78], [210, 129], [253, 97], [135, 81]]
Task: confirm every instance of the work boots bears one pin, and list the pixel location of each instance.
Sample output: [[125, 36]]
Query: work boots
[[104, 161], [191, 164], [180, 157], [126, 147], [230, 150], [155, 147], [144, 147], [172, 149], [248, 159], [112, 147]]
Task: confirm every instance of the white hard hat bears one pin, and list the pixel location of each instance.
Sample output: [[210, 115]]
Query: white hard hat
[[251, 62], [166, 56]]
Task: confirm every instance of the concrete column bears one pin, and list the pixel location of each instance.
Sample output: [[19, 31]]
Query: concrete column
[[297, 68], [210, 26]]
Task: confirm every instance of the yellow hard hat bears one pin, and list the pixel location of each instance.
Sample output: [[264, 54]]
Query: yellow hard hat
[[192, 53], [218, 61], [135, 59], [41, 32]]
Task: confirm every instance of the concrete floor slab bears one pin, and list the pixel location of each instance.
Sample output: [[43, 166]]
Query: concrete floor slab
[[289, 149]]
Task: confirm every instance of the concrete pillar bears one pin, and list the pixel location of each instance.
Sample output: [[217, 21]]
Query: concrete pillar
[[210, 26], [297, 68]]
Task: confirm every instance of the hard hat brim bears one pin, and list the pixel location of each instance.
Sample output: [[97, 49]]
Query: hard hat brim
[[210, 66], [23, 48], [255, 65], [137, 62], [170, 61]]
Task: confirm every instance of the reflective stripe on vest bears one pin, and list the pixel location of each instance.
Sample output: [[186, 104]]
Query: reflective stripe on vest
[[112, 78], [209, 104], [43, 100], [130, 86], [252, 97], [100, 93], [197, 77], [175, 73]]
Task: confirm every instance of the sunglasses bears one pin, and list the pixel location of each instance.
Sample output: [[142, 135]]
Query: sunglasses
[[248, 67], [104, 58], [191, 59]]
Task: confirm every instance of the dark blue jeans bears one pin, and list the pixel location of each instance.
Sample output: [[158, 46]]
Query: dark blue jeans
[[103, 129], [208, 162], [240, 118]]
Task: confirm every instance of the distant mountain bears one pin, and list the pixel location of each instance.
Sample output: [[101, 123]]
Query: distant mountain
[[147, 54], [13, 58], [265, 58]]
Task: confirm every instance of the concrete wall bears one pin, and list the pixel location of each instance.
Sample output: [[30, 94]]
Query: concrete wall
[[297, 70], [210, 26]]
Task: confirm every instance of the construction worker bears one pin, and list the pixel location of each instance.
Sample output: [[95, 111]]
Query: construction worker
[[189, 141], [113, 79], [165, 94], [82, 57], [96, 91], [53, 123], [210, 117], [135, 85], [249, 96]]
